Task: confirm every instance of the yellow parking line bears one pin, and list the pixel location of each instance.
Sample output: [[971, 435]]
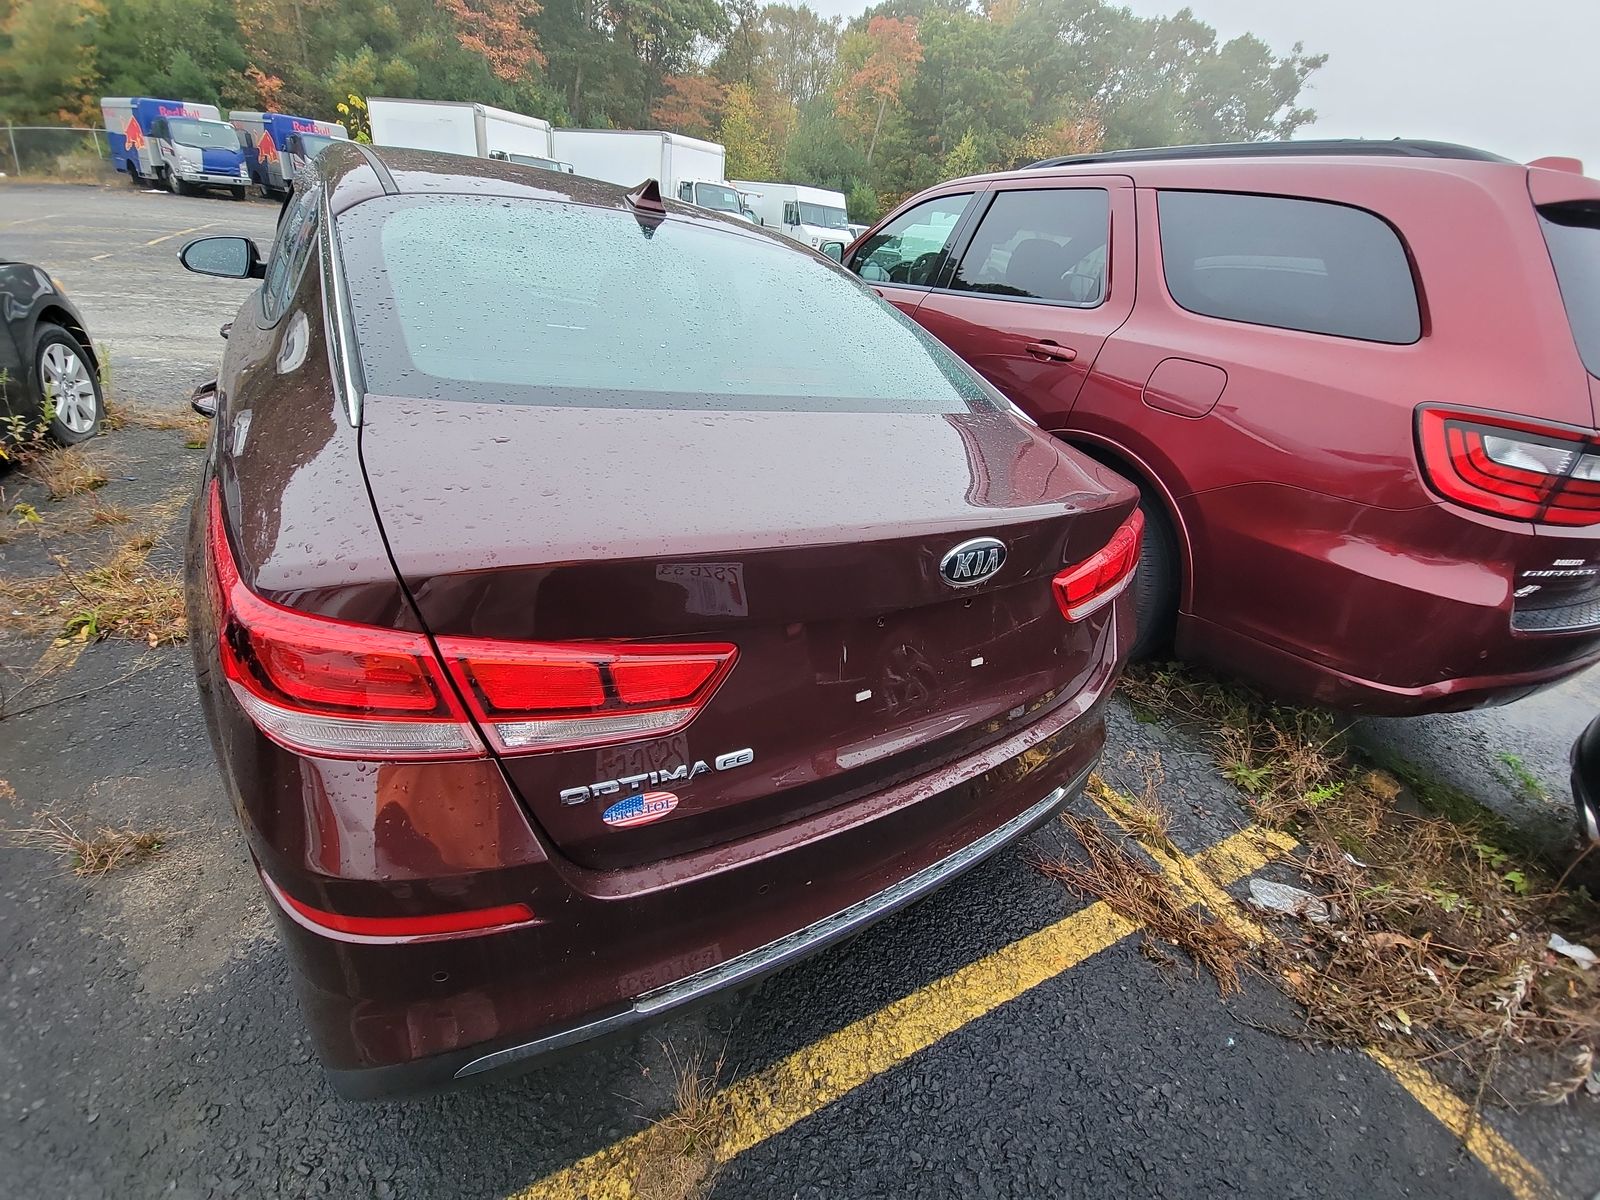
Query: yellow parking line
[[769, 1102], [167, 237], [1519, 1176]]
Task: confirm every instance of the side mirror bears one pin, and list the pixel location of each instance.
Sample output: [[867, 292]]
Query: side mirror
[[834, 250], [292, 143], [204, 399], [229, 257]]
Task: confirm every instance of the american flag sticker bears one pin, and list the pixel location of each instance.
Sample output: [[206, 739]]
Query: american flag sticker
[[640, 809]]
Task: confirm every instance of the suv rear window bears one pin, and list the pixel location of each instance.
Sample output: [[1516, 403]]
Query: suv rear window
[[1294, 264], [1572, 231], [530, 302]]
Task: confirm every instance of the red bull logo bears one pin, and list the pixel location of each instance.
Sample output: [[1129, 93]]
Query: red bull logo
[[267, 148], [179, 110], [306, 126], [134, 135]]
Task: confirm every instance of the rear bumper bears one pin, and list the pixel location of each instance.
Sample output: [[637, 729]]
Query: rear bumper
[[1392, 612], [474, 1063], [1307, 681], [613, 949]]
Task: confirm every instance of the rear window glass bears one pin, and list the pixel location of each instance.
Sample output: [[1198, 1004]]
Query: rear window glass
[[1572, 231], [525, 301], [1294, 264]]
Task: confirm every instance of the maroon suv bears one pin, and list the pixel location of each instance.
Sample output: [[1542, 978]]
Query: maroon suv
[[597, 603], [1354, 381]]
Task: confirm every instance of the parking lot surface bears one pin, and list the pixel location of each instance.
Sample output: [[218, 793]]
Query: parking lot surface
[[1002, 1038]]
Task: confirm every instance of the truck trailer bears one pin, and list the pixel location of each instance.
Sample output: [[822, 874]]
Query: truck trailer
[[477, 130], [278, 146], [810, 215], [687, 168], [181, 145]]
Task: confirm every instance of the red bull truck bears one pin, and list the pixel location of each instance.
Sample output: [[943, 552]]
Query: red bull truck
[[181, 145], [278, 146]]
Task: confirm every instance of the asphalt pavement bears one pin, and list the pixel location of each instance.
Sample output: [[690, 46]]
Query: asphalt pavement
[[998, 1039]]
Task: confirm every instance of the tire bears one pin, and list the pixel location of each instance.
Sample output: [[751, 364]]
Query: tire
[[1155, 582], [240, 193], [68, 380], [133, 176], [169, 181]]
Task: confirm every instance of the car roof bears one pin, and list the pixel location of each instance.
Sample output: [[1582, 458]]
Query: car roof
[[354, 172], [1324, 147]]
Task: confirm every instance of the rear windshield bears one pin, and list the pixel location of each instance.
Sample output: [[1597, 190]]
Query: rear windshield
[[531, 302], [1572, 231]]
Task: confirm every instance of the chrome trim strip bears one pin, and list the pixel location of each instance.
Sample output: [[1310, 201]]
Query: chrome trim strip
[[338, 321], [786, 949]]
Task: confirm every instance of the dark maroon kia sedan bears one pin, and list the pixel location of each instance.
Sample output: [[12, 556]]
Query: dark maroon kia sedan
[[598, 604]]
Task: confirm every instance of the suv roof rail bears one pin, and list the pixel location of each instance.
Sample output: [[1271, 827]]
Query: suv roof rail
[[1396, 148]]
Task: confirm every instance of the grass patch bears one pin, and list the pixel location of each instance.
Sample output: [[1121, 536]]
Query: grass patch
[[121, 416], [678, 1161], [65, 471], [1514, 772], [1439, 912], [122, 597], [96, 853], [1107, 871]]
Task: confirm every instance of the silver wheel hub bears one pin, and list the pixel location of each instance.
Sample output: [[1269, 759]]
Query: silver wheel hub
[[69, 386]]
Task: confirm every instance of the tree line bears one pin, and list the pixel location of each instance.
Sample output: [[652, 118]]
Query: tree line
[[908, 93]]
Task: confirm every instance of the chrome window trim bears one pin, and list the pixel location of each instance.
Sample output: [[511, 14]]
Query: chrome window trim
[[336, 320]]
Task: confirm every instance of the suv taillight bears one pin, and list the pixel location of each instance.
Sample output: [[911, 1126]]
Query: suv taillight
[[343, 690], [1099, 579], [1510, 466]]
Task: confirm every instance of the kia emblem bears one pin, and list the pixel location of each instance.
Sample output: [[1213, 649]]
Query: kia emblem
[[972, 561]]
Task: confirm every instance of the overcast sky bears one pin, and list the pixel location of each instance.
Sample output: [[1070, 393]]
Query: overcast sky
[[1521, 79]]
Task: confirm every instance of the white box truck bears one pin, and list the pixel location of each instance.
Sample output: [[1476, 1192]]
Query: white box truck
[[457, 127], [686, 168], [809, 215]]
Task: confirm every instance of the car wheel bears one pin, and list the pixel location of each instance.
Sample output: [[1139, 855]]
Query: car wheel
[[134, 177], [1155, 583], [241, 193], [69, 385]]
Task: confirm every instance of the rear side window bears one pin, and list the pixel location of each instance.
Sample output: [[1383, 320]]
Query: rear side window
[[1572, 231], [912, 247], [297, 234], [531, 302], [1294, 264], [1044, 245]]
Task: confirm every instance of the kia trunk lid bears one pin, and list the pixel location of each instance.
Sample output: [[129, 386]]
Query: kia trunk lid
[[810, 543]]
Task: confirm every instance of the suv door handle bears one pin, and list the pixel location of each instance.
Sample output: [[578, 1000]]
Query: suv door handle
[[1050, 350]]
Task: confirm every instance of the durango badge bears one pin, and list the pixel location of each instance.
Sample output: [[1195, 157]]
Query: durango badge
[[972, 561]]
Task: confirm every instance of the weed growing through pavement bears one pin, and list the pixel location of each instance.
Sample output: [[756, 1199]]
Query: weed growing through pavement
[[65, 471], [1438, 915], [1108, 871], [95, 853], [678, 1161], [122, 597]]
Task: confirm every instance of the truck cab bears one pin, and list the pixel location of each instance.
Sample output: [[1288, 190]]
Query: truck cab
[[718, 197], [179, 144], [279, 146]]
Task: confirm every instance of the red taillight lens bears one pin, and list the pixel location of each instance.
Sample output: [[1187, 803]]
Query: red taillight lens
[[1511, 467], [1099, 579], [538, 696], [342, 690]]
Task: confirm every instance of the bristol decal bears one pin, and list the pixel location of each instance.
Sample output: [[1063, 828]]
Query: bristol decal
[[640, 809], [682, 773]]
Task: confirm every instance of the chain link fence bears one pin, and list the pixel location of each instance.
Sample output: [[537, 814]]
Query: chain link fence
[[75, 154]]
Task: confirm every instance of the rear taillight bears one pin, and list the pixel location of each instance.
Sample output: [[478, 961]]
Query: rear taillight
[[1099, 579], [396, 930], [343, 690], [1511, 467]]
